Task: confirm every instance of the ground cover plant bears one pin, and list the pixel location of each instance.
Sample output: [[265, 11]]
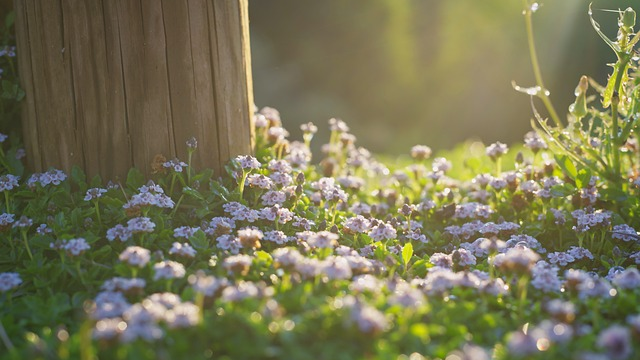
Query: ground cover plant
[[528, 252]]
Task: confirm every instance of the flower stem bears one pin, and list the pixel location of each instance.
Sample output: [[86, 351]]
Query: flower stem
[[536, 66], [26, 244]]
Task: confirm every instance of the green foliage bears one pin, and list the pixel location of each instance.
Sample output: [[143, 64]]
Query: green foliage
[[480, 252]]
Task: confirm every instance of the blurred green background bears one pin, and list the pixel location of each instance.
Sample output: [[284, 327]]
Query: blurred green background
[[433, 72]]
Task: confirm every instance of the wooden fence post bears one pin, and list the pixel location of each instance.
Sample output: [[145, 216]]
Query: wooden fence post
[[111, 83]]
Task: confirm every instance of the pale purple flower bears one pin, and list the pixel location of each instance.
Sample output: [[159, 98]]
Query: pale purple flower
[[625, 232], [176, 165], [141, 225], [496, 150], [75, 247], [382, 231], [247, 162], [135, 256], [273, 197], [183, 250], [94, 194], [9, 281], [168, 270], [8, 182], [119, 232], [323, 239], [616, 341], [6, 219], [185, 232], [23, 223], [277, 237]]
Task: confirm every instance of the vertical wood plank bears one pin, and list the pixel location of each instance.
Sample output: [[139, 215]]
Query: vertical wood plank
[[110, 84]]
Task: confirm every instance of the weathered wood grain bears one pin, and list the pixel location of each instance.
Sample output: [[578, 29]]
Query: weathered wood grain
[[112, 83]]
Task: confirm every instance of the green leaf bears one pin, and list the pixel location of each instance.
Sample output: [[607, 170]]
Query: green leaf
[[78, 176], [194, 193], [199, 240], [567, 166], [407, 253], [135, 179], [583, 178], [96, 181], [562, 190], [263, 256]]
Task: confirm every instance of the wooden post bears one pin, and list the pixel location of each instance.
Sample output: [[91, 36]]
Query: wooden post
[[111, 83]]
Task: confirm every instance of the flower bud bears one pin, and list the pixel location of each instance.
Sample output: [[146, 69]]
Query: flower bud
[[627, 19], [579, 107]]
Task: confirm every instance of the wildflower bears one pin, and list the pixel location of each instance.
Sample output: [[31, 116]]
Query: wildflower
[[382, 231], [220, 226], [6, 220], [184, 250], [527, 241], [8, 182], [627, 279], [250, 238], [140, 225], [522, 344], [441, 260], [407, 296], [336, 267], [247, 162], [23, 223], [209, 286], [94, 194], [517, 259], [616, 341], [309, 128], [277, 237], [109, 304], [3, 137], [259, 181], [498, 183], [52, 176], [560, 258], [534, 142], [238, 264], [229, 243], [168, 270], [192, 143], [368, 319], [242, 290], [273, 197], [563, 311], [496, 150], [75, 247], [119, 232], [420, 152], [625, 232], [135, 256], [286, 257], [441, 165], [338, 125], [182, 315], [545, 277], [175, 164], [9, 281], [42, 229], [185, 232], [579, 253], [587, 220], [323, 239], [124, 285]]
